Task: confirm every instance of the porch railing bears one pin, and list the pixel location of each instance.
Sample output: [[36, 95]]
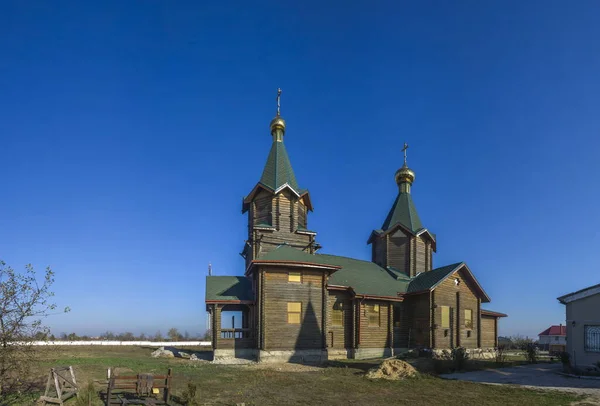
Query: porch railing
[[236, 333]]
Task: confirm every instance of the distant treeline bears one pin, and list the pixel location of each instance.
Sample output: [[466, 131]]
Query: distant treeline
[[172, 335]]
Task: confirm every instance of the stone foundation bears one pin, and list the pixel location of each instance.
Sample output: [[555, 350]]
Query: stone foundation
[[294, 356], [366, 353], [347, 353], [474, 353], [234, 356]]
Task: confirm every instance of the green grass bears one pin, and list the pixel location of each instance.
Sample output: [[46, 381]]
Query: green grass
[[340, 383]]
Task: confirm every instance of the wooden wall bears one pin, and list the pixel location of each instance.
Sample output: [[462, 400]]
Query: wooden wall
[[458, 298], [488, 332], [340, 337], [380, 251], [416, 330], [373, 336], [399, 251], [278, 333], [281, 211]]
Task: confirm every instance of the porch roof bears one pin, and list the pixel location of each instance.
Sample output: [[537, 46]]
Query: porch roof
[[228, 288]]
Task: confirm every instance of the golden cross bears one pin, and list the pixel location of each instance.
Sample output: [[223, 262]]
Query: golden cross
[[404, 150], [279, 101]]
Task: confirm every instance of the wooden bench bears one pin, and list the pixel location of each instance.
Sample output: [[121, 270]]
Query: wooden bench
[[141, 389]]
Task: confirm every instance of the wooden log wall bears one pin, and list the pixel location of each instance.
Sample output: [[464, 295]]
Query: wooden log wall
[[457, 298], [340, 337], [374, 336], [278, 292], [417, 309], [399, 251], [488, 332], [281, 212]]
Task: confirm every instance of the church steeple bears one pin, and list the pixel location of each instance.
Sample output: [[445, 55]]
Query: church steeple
[[402, 243], [277, 207], [278, 123], [405, 176]]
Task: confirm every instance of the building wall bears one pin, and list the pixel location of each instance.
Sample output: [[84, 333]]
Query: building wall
[[415, 332], [278, 292], [282, 212], [399, 251], [583, 312], [457, 298], [374, 336], [340, 337], [488, 332]]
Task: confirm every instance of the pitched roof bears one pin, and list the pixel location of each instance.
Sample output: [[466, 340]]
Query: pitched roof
[[428, 280], [228, 288], [404, 212], [366, 277], [554, 331], [580, 294], [278, 169], [485, 312]]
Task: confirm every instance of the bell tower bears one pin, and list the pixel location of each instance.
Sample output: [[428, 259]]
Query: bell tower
[[402, 244], [277, 207]]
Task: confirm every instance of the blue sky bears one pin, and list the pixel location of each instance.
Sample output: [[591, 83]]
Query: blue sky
[[130, 132]]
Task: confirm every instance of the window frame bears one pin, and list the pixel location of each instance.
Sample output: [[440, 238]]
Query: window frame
[[294, 273], [294, 312], [338, 311], [442, 308], [468, 321], [372, 312], [586, 333]]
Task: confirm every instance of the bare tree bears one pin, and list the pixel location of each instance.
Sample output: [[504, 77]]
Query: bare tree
[[24, 303], [174, 334]]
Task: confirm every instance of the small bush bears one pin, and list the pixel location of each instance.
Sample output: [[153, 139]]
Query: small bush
[[565, 358], [501, 354], [188, 396], [88, 395], [530, 351], [460, 356]]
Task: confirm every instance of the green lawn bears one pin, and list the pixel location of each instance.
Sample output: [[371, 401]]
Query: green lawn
[[340, 383]]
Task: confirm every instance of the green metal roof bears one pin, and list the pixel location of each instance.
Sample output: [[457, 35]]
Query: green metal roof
[[278, 169], [427, 280], [228, 288], [365, 277], [404, 212]]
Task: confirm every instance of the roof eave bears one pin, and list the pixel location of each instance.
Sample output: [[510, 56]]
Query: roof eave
[[485, 299], [296, 264]]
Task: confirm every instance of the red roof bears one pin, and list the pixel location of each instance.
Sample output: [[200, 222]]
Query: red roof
[[555, 331]]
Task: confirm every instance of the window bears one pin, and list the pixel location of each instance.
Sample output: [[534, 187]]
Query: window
[[294, 311], [294, 277], [445, 317], [373, 314], [556, 338], [468, 318], [397, 316], [592, 338], [337, 315]]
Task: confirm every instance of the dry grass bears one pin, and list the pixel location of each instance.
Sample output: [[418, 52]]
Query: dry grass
[[340, 383]]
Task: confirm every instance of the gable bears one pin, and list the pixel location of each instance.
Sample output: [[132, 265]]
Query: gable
[[580, 294], [432, 279]]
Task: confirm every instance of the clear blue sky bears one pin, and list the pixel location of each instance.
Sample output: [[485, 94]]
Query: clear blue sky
[[130, 131]]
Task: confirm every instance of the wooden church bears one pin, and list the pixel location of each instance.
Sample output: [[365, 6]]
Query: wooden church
[[298, 304]]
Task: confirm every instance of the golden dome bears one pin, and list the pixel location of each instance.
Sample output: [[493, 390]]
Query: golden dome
[[405, 174], [277, 123]]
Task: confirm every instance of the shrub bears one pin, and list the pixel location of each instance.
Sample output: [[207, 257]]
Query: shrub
[[501, 354], [460, 356], [88, 395], [530, 351], [188, 396]]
